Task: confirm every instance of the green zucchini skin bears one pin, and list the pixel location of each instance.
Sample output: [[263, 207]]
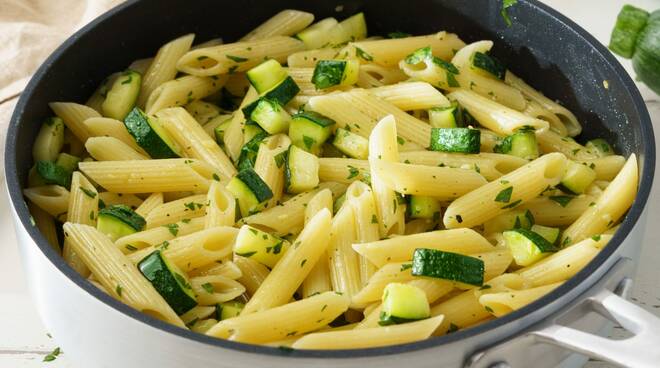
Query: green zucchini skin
[[258, 187], [53, 173], [142, 129], [249, 151], [646, 60], [448, 266], [488, 64], [125, 214], [176, 291], [461, 140], [282, 93]]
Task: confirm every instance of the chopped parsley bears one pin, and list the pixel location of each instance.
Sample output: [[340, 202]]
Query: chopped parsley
[[119, 290], [308, 141], [352, 172], [504, 196], [363, 55], [400, 140], [173, 228], [130, 247], [374, 219], [236, 59], [405, 266], [208, 287], [247, 254], [488, 309], [89, 193], [563, 200], [595, 238], [303, 262], [53, 355], [512, 204], [506, 4], [216, 177]]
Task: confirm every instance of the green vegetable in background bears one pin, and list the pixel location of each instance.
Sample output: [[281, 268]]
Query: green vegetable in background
[[636, 35]]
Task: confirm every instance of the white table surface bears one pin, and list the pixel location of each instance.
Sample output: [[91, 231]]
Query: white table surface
[[24, 341]]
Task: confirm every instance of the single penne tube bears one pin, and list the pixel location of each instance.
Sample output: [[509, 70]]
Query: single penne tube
[[212, 42], [154, 200], [253, 273], [535, 110], [116, 273], [180, 91], [148, 176], [222, 289], [550, 212], [237, 56], [607, 167], [281, 283], [197, 144], [285, 23], [443, 183], [308, 58], [494, 116], [220, 206], [562, 265], [158, 235], [360, 197], [496, 197], [500, 304], [609, 207], [202, 111], [111, 149], [433, 288], [177, 210], [83, 209], [550, 141], [194, 250], [389, 52], [141, 65], [374, 75], [343, 170], [409, 96], [163, 66], [361, 110], [370, 337], [226, 269], [74, 116], [269, 164], [97, 98], [490, 165], [234, 137], [106, 127], [344, 262], [111, 198], [573, 127], [318, 280], [53, 199], [401, 248], [460, 311], [283, 321], [46, 225]]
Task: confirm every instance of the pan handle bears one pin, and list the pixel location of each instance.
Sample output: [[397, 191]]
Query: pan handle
[[639, 351]]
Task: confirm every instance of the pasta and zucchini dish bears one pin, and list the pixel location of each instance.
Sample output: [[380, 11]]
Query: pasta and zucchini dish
[[310, 187]]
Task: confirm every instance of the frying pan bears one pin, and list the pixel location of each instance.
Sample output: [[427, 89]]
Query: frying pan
[[543, 47]]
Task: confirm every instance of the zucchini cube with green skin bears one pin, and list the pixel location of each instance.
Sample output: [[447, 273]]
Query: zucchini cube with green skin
[[250, 150], [260, 246], [301, 171], [266, 75], [170, 282], [600, 147], [150, 135], [67, 161], [403, 303], [228, 310], [351, 144], [118, 220], [282, 93], [122, 96], [52, 173], [551, 234], [49, 141], [424, 207], [309, 130], [486, 65], [445, 117], [350, 29], [527, 247], [577, 178], [219, 132], [317, 35], [331, 73], [448, 266], [460, 140], [271, 116], [250, 191], [514, 219], [520, 144]]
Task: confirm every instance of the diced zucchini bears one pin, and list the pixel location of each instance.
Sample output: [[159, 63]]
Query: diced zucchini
[[251, 130], [330, 73], [50, 140], [630, 23], [600, 147], [350, 29], [509, 220], [521, 144], [282, 93], [67, 161], [403, 303], [351, 144], [527, 246], [119, 220], [271, 116], [317, 35], [122, 96], [52, 173], [219, 132], [551, 234], [250, 150], [445, 117], [260, 246], [424, 207], [228, 310], [150, 135], [487, 65], [266, 75], [301, 171], [309, 130], [462, 140], [577, 178], [448, 266], [250, 191], [169, 281]]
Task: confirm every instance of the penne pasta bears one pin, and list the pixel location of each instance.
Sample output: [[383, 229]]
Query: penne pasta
[[111, 149], [285, 23]]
